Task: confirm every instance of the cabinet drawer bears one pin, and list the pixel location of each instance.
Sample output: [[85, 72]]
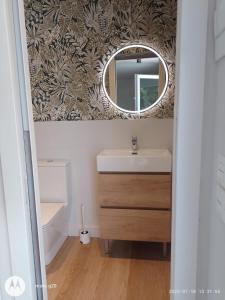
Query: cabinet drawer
[[136, 225], [135, 190]]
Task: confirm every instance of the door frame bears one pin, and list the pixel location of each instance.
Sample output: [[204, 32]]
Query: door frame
[[16, 120], [188, 120]]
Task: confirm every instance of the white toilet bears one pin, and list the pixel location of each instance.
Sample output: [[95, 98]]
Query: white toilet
[[54, 194]]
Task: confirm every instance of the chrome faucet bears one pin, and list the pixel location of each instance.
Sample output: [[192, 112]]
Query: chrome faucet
[[134, 145]]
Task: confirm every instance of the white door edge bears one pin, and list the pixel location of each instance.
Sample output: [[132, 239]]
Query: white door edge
[[12, 151]]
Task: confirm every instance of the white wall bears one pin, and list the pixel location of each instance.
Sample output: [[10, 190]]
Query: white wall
[[80, 142]]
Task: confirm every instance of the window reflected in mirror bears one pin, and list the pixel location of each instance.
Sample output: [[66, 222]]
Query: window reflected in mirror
[[135, 78]]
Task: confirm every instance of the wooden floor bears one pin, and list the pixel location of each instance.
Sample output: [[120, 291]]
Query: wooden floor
[[81, 272]]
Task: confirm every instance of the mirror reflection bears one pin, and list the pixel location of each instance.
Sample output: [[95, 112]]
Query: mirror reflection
[[135, 78]]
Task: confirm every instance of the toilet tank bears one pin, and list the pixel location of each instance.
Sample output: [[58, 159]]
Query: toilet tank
[[53, 180]]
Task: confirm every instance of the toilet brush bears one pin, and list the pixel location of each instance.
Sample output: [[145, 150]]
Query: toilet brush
[[84, 234]]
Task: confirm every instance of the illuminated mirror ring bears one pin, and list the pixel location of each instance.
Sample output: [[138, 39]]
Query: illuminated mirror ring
[[135, 80]]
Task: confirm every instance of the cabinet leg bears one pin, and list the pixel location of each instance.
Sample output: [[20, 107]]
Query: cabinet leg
[[164, 249], [107, 247]]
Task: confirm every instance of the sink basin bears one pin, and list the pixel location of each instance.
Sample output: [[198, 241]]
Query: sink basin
[[146, 160]]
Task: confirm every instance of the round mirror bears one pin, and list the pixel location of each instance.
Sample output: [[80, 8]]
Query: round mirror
[[135, 78]]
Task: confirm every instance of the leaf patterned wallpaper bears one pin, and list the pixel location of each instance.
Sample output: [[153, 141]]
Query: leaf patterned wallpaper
[[70, 41]]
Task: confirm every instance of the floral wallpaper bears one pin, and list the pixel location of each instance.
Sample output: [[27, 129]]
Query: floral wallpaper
[[70, 41]]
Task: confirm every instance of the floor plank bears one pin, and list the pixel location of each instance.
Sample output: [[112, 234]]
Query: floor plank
[[148, 280], [82, 273]]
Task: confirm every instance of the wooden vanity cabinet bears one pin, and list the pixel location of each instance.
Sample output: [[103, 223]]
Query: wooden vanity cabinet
[[135, 206]]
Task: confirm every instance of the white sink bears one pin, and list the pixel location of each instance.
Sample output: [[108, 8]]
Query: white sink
[[146, 160]]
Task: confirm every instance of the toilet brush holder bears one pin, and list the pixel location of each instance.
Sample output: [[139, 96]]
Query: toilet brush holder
[[84, 237], [84, 234]]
